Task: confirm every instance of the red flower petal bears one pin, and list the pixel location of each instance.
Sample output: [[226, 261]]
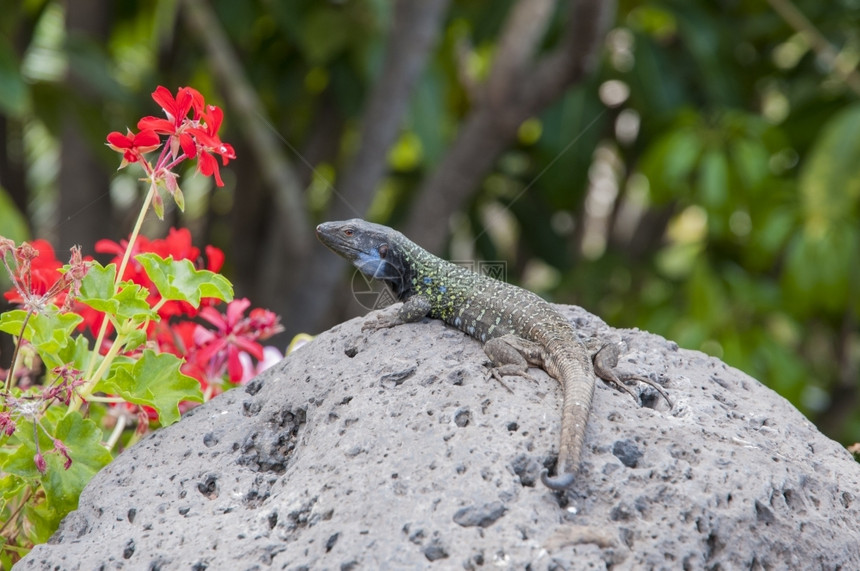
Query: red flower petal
[[146, 138], [236, 308], [109, 247], [157, 124], [215, 257], [234, 365], [120, 141], [189, 147], [208, 166], [214, 317]]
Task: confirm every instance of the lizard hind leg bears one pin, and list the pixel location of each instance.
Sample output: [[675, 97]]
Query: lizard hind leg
[[511, 356]]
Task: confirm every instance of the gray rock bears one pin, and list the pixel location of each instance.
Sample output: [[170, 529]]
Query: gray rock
[[392, 450]]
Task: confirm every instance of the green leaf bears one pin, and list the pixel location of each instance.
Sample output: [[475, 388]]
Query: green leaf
[[10, 486], [751, 161], [77, 354], [83, 439], [154, 380], [830, 177], [18, 460], [132, 304], [98, 284], [134, 339], [43, 521], [714, 179], [49, 331], [128, 304], [179, 280], [670, 161], [179, 199], [821, 267]]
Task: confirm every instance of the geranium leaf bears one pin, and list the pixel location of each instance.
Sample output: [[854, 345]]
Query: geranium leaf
[[129, 303], [49, 331], [83, 438], [98, 284], [179, 280], [154, 380]]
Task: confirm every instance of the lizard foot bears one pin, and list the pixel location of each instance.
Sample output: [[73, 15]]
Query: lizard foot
[[510, 370], [604, 365], [647, 381], [559, 482]]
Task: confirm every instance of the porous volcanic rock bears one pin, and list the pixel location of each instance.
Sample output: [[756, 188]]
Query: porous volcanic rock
[[392, 450]]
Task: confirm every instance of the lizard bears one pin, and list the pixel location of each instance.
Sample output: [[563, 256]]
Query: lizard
[[517, 327]]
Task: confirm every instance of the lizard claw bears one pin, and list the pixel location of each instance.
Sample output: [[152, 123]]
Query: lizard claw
[[494, 374], [381, 322], [559, 483], [605, 362]]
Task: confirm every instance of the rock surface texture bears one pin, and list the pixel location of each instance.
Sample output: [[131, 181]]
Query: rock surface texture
[[392, 450]]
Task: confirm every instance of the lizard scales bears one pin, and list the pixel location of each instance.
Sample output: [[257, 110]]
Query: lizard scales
[[485, 309]]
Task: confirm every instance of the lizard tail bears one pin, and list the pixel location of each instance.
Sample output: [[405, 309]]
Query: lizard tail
[[558, 483], [577, 379]]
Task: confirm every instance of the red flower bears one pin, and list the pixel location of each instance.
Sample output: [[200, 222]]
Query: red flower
[[234, 334], [207, 138], [133, 145], [195, 137], [176, 110]]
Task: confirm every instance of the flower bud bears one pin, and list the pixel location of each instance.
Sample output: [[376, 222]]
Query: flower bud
[[41, 465]]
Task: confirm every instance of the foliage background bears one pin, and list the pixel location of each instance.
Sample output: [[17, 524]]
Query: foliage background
[[688, 167]]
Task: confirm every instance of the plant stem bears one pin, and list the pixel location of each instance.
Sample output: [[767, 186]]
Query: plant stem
[[135, 232], [109, 400], [87, 388], [10, 374], [92, 379], [117, 432]]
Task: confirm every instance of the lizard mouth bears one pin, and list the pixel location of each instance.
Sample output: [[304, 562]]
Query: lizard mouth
[[332, 239]]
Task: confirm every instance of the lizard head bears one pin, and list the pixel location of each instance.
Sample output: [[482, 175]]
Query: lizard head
[[372, 248]]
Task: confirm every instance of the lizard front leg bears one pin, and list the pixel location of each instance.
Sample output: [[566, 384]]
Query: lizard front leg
[[413, 309]]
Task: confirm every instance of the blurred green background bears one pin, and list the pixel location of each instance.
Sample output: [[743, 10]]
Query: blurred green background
[[688, 167]]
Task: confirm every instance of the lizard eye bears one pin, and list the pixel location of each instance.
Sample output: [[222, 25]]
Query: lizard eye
[[348, 232], [383, 250]]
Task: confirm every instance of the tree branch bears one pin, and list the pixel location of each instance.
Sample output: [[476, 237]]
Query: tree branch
[[492, 124], [817, 42], [577, 55], [520, 37], [413, 34]]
